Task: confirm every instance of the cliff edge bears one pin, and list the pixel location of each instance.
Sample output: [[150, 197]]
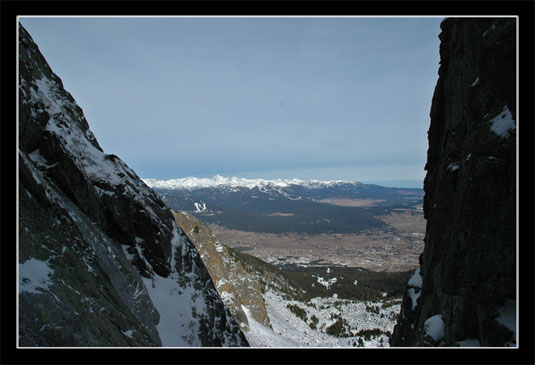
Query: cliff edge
[[464, 292], [101, 259]]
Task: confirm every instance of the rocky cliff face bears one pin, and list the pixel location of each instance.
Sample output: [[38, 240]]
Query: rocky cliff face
[[238, 287], [464, 292], [101, 259]]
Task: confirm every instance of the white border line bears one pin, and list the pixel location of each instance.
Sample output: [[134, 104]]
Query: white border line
[[517, 178], [17, 180], [266, 17]]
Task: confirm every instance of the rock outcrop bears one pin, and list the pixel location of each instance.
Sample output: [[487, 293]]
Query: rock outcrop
[[238, 287], [464, 292], [101, 259]]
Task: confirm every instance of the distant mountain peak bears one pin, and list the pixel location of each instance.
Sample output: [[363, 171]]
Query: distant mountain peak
[[217, 181]]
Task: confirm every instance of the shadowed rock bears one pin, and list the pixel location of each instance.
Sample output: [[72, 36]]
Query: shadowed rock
[[100, 255], [468, 264]]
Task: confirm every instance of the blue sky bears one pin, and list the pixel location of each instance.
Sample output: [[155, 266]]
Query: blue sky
[[307, 97]]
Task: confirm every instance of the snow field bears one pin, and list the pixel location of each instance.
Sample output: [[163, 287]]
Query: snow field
[[290, 331], [176, 305], [179, 306]]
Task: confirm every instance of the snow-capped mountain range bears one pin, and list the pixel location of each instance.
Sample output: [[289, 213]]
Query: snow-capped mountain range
[[218, 181], [256, 204]]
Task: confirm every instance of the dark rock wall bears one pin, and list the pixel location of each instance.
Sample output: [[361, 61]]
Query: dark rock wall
[[112, 211], [468, 267], [91, 233]]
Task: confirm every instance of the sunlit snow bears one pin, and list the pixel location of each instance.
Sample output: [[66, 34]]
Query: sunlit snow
[[200, 207], [290, 331], [326, 283], [192, 183]]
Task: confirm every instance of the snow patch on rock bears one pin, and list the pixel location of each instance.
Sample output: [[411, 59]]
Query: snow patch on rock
[[434, 327], [503, 123], [34, 276], [470, 342], [414, 297], [416, 279]]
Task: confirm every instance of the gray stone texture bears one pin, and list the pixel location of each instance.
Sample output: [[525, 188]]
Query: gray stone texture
[[98, 236], [469, 260]]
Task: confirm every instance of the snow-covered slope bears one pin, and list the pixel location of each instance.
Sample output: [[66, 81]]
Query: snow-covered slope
[[101, 260], [271, 308], [322, 317]]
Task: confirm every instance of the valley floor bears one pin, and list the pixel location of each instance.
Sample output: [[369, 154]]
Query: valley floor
[[394, 248]]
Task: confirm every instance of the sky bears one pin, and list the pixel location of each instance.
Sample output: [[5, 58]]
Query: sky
[[323, 98]]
